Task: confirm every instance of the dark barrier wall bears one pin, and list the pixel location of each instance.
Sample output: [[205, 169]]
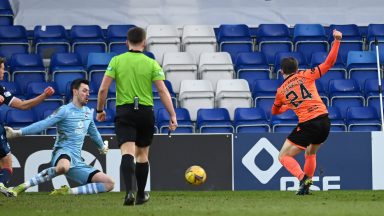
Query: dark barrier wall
[[343, 162], [169, 158], [346, 161]]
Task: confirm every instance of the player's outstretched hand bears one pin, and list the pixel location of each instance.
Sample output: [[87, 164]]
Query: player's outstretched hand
[[49, 91], [11, 133], [337, 35], [105, 148]]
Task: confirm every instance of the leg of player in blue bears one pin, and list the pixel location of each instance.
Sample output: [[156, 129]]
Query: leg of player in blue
[[41, 177], [92, 181]]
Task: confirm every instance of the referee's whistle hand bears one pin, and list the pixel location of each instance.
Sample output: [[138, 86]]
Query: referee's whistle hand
[[173, 123], [100, 117]]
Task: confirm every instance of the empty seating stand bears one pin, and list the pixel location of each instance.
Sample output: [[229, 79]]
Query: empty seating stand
[[161, 39]]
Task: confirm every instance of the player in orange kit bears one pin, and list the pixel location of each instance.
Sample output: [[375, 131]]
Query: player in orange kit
[[298, 93]]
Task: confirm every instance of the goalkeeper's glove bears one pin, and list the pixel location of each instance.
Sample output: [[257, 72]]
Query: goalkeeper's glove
[[105, 148], [11, 133]]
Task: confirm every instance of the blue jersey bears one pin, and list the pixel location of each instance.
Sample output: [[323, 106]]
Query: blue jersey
[[72, 124]]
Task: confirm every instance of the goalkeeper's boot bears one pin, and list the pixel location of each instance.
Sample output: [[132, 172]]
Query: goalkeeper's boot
[[64, 190], [141, 199], [19, 189], [129, 199], [6, 191], [305, 183]]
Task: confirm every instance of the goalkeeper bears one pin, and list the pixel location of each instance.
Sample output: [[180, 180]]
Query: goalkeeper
[[74, 120]]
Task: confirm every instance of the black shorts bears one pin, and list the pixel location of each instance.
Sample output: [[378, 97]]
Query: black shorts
[[134, 125], [314, 131], [4, 145]]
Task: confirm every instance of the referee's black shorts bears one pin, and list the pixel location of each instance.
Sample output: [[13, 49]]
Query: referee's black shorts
[[314, 131], [134, 125]]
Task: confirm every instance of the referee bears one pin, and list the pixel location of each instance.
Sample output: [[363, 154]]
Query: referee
[[134, 73]]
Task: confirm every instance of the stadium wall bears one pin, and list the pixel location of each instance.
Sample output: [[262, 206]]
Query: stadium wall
[[347, 161], [30, 13]]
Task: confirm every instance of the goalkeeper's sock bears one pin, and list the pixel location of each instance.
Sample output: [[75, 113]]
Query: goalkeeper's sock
[[310, 165], [5, 174], [141, 177], [128, 171], [90, 188], [43, 176], [292, 166]]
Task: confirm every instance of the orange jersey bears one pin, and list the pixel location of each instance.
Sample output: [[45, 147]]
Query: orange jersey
[[299, 93]]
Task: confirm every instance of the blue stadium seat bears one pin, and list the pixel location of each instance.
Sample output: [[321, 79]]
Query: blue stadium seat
[[297, 55], [262, 88], [214, 121], [344, 94], [337, 121], [117, 37], [86, 39], [3, 112], [252, 66], [50, 130], [272, 39], [49, 40], [363, 119], [64, 68], [234, 39], [13, 39], [97, 64], [250, 120], [168, 84], [375, 31], [322, 93], [107, 126], [27, 68], [6, 13], [371, 88], [352, 39], [183, 119], [374, 102], [284, 122], [361, 65], [19, 118], [309, 38], [338, 70]]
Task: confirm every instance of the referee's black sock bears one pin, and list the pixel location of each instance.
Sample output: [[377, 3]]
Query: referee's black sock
[[128, 171], [141, 177]]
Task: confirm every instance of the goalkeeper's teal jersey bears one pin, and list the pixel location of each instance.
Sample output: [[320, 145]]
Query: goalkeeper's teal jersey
[[73, 124]]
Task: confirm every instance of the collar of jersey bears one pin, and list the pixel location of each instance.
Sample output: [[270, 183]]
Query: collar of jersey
[[135, 51]]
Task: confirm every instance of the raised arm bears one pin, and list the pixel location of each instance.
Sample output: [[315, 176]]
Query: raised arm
[[332, 56], [27, 104], [37, 127]]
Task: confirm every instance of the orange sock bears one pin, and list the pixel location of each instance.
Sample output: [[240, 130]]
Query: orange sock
[[310, 165], [292, 166]]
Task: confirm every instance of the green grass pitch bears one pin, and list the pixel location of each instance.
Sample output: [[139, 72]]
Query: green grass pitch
[[200, 203]]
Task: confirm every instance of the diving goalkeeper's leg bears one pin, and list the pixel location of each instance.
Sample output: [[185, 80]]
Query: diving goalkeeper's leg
[[43, 176]]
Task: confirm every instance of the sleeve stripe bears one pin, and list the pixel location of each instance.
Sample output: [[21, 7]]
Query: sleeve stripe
[[319, 70], [276, 105]]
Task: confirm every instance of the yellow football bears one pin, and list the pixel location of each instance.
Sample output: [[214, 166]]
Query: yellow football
[[195, 175]]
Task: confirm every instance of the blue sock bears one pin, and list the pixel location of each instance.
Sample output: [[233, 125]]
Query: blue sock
[[90, 188], [43, 176], [5, 174]]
